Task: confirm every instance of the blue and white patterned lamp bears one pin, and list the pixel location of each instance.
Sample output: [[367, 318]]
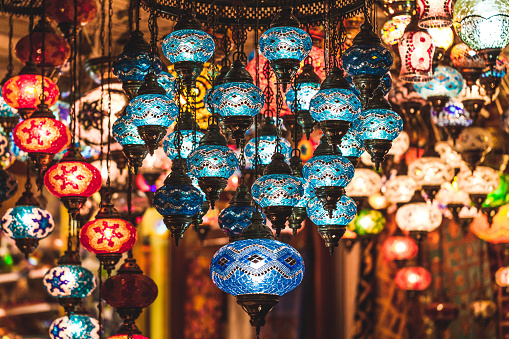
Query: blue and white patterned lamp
[[212, 163], [178, 200], [69, 281], [190, 140], [237, 100], [332, 226], [328, 173], [237, 215], [377, 126], [188, 47], [168, 82], [133, 146], [285, 45], [277, 191], [367, 61], [257, 270], [27, 223], [351, 146], [267, 142], [299, 96], [335, 106], [75, 326], [454, 118], [134, 63], [447, 83]]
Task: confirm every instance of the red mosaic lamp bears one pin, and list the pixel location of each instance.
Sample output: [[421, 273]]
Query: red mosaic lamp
[[399, 248], [413, 278], [23, 92], [41, 136], [62, 12], [73, 180], [108, 236]]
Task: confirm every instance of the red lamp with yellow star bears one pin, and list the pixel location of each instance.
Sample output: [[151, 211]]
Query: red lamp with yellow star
[[41, 136], [73, 180], [108, 236]]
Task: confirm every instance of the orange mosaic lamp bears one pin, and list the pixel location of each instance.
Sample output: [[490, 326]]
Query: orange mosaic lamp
[[399, 248], [498, 232], [108, 236], [23, 91], [41, 136], [73, 180], [413, 278]]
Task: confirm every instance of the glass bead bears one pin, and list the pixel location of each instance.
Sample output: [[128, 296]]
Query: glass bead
[[335, 104], [212, 161], [27, 222], [188, 45], [279, 43], [69, 281], [343, 214], [277, 190], [178, 200], [237, 99], [328, 170]]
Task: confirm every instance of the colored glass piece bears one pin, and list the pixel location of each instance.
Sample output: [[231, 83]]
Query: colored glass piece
[[178, 200], [447, 81], [237, 99], [44, 135], [257, 266], [24, 91], [212, 161], [125, 133], [27, 222], [463, 56], [394, 28], [188, 45], [72, 179], [368, 222], [285, 43], [328, 170], [152, 109], [108, 235], [189, 141], [305, 91], [335, 104], [343, 214], [413, 278], [266, 148], [69, 281], [483, 180], [277, 190], [77, 326], [378, 124]]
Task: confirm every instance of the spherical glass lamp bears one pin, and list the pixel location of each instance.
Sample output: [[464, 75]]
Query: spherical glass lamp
[[418, 218], [23, 92], [491, 78], [335, 106], [378, 126], [442, 37], [502, 276], [468, 62], [367, 223], [478, 184], [190, 139], [188, 47], [237, 100], [328, 173], [365, 183], [168, 82], [237, 215], [454, 118], [63, 12], [127, 135], [416, 49], [413, 278], [435, 13], [27, 223], [366, 61], [108, 236], [332, 226], [399, 248], [75, 326], [69, 281], [394, 28], [178, 200], [285, 45], [480, 24], [73, 180], [351, 146], [430, 173], [400, 189], [473, 143], [212, 163]]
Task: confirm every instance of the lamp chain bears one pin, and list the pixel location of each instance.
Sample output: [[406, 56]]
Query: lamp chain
[[279, 107], [257, 83], [10, 66], [100, 303], [268, 93], [110, 39], [103, 52], [42, 97]]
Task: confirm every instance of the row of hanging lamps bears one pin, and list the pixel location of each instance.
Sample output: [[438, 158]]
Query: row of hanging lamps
[[257, 270]]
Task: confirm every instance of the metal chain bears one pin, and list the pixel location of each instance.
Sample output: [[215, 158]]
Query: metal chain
[[110, 42], [239, 34], [130, 171], [177, 140], [42, 97], [100, 303], [152, 25], [279, 107], [226, 48], [103, 51], [10, 66], [74, 73], [296, 110], [268, 93]]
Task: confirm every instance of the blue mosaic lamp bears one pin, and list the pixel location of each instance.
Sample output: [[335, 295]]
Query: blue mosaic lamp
[[134, 63], [237, 216], [335, 106], [351, 146], [298, 97], [447, 83], [75, 326], [188, 47], [178, 200], [386, 83], [168, 82], [190, 134], [367, 61], [152, 112], [332, 226], [212, 163], [257, 270], [27, 223], [328, 173], [133, 146], [69, 282], [9, 118], [285, 45], [267, 141], [378, 126], [454, 118], [491, 78], [237, 100], [277, 191]]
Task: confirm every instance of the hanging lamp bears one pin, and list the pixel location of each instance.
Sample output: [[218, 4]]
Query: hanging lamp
[[77, 325], [237, 215], [468, 62], [435, 13], [133, 146], [351, 146], [299, 213], [478, 184], [191, 136]]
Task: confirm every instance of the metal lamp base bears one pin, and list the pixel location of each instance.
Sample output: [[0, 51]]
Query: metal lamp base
[[238, 125], [135, 154], [152, 135], [278, 215], [377, 148], [329, 196], [257, 306], [334, 130], [109, 260], [177, 224], [331, 234], [188, 72], [285, 70], [212, 187], [27, 245]]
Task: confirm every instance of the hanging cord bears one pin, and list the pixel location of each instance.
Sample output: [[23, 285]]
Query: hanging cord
[[326, 39], [137, 14], [279, 107], [152, 25], [103, 52], [31, 30], [177, 140], [100, 303], [42, 97], [296, 109], [268, 93], [74, 74], [110, 42], [131, 16], [10, 66]]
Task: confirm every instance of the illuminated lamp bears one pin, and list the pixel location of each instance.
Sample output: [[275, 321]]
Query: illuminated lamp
[[285, 45], [56, 50], [366, 61], [435, 13], [365, 183], [299, 213], [9, 117], [466, 216], [75, 326], [468, 62], [133, 146], [128, 331], [27, 223], [298, 97], [430, 172], [24, 91], [73, 180], [129, 292], [351, 146], [69, 282], [474, 98], [473, 144], [237, 215], [454, 118], [188, 47], [502, 277], [400, 189], [191, 136], [496, 232], [480, 24], [399, 248], [41, 136], [482, 310], [394, 28], [416, 49], [418, 217], [378, 201], [367, 223], [478, 184], [492, 78], [108, 236], [442, 313], [413, 278], [63, 13]]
